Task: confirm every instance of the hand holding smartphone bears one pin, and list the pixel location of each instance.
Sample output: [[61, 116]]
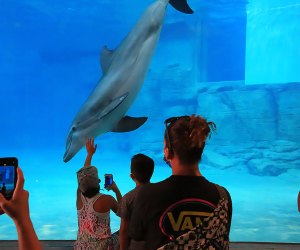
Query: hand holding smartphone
[[108, 180], [8, 176], [18, 207]]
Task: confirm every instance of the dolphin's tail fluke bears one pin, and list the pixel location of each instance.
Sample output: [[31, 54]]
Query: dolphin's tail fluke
[[182, 6]]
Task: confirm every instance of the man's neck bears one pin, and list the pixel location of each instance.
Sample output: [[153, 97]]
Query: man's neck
[[137, 183], [183, 169]]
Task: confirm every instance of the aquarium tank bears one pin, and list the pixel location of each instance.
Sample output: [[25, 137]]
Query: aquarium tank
[[235, 62]]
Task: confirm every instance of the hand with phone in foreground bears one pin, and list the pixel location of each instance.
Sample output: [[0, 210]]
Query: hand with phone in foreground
[[17, 208]]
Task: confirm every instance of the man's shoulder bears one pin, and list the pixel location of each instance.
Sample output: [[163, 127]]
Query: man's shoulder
[[223, 192]]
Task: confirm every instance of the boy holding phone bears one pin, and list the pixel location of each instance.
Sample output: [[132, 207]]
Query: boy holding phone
[[142, 168]]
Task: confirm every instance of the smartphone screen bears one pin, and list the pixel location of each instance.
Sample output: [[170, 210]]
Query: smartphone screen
[[8, 176], [108, 180]]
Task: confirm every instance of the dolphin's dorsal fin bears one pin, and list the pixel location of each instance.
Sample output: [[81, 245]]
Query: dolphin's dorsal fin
[[128, 123], [112, 105], [106, 56]]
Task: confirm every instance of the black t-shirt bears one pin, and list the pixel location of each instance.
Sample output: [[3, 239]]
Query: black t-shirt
[[164, 210]]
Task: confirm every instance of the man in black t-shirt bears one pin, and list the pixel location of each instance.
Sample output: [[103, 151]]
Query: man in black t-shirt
[[165, 210]]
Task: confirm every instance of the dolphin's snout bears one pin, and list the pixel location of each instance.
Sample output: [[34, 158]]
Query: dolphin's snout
[[67, 155], [66, 158], [74, 144]]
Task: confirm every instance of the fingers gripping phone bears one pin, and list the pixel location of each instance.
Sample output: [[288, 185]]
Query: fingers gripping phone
[[8, 176], [108, 180]]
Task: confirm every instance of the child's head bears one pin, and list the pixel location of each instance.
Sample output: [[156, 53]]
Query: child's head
[[88, 181], [142, 168]]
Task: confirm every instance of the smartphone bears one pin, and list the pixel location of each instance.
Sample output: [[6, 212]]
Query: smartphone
[[8, 176], [108, 180]]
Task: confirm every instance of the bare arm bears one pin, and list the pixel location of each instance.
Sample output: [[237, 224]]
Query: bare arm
[[118, 194], [18, 209], [27, 237], [124, 241], [91, 149]]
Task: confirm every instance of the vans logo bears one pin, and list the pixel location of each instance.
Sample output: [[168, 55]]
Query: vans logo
[[184, 215], [186, 220]]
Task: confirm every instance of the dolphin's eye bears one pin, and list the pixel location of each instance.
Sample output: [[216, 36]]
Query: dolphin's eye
[[73, 128]]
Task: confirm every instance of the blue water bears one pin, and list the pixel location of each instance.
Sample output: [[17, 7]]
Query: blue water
[[234, 62]]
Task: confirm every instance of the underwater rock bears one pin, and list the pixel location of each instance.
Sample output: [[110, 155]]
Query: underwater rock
[[265, 167], [282, 146], [218, 160], [255, 113]]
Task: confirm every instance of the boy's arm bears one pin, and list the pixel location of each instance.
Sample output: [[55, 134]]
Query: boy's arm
[[124, 240], [137, 229]]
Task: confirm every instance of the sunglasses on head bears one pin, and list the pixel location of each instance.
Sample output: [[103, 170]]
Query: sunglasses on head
[[168, 123], [172, 120]]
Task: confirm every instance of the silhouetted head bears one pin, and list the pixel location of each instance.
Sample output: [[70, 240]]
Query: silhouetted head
[[142, 168], [185, 136]]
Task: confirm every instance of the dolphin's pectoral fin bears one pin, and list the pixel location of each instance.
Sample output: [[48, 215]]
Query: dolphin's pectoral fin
[[111, 106], [106, 56], [128, 123], [181, 5]]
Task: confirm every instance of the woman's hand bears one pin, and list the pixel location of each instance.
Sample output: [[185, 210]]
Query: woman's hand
[[112, 187], [90, 147]]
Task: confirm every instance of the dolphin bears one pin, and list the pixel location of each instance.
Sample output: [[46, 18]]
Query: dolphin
[[123, 73]]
